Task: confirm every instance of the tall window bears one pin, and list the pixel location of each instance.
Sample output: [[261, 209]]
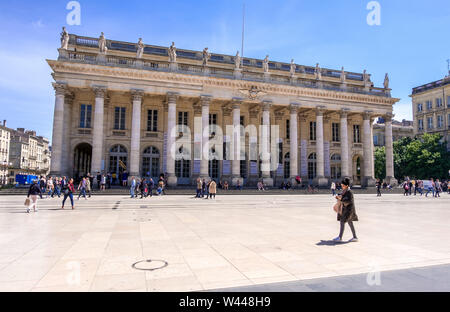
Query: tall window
[[183, 118], [85, 116], [312, 130], [182, 166], [420, 124], [429, 104], [448, 101], [150, 162], [212, 119], [287, 166], [438, 102], [288, 129], [280, 153], [335, 165], [440, 121], [152, 120], [448, 121], [243, 169], [430, 123], [335, 132], [119, 118], [356, 134], [312, 166], [419, 107], [242, 120]]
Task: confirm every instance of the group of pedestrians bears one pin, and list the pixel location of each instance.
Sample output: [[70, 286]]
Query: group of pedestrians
[[206, 189], [145, 187], [433, 186]]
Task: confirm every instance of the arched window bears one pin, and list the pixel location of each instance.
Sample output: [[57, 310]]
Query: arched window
[[335, 165], [150, 162], [118, 159], [287, 166], [312, 166]]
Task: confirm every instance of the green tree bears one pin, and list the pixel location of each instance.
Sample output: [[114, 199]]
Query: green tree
[[380, 162]]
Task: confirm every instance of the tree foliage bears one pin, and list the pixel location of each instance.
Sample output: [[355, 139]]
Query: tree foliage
[[424, 157]]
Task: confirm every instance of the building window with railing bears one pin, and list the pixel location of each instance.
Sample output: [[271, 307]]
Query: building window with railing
[[152, 120], [420, 125], [439, 102], [429, 105], [335, 132], [119, 118], [183, 118], [356, 134], [430, 123], [312, 130], [440, 121], [419, 107], [85, 116]]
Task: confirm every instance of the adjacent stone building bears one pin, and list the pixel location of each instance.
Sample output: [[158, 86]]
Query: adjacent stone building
[[431, 108], [146, 109], [400, 129], [5, 139]]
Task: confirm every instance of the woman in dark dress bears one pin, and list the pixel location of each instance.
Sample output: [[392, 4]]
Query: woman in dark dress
[[348, 211]]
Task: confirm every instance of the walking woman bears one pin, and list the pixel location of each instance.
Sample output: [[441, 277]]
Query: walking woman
[[34, 191], [348, 211], [212, 189], [68, 190]]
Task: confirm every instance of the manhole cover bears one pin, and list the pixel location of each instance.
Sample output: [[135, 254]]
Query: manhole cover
[[149, 265]]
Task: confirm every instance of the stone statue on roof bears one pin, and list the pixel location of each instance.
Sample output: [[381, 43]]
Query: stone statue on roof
[[266, 64], [342, 75], [206, 56], [140, 50], [172, 53], [102, 44], [365, 77], [386, 81], [237, 61], [318, 72], [293, 68], [64, 39]]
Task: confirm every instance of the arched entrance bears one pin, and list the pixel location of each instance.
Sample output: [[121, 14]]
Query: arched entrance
[[357, 164], [150, 163], [118, 160], [82, 157]]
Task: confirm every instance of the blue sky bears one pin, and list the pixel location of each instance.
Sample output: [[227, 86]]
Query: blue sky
[[411, 44]]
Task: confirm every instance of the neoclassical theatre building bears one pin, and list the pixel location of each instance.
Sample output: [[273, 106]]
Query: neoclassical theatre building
[[143, 108]]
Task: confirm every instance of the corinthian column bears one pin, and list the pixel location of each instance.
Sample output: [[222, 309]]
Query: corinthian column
[[58, 129], [390, 179], [344, 145], [367, 151], [97, 135], [171, 134], [320, 179], [204, 162], [135, 132], [236, 160], [293, 142], [265, 143]]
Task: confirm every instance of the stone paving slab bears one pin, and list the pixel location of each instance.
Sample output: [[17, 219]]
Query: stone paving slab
[[232, 241]]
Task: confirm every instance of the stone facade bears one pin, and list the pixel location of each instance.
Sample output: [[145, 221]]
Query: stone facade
[[150, 115], [431, 108], [5, 139], [400, 129]]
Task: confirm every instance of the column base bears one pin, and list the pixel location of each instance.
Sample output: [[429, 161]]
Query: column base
[[391, 181], [172, 180], [237, 73], [321, 181], [266, 77], [268, 181], [368, 182], [235, 180], [173, 66]]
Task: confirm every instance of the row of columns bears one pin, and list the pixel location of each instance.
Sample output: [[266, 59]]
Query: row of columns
[[58, 142]]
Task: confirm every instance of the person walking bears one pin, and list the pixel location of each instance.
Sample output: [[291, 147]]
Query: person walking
[[378, 187], [212, 189], [88, 186], [333, 188], [34, 191], [199, 188], [430, 188], [57, 187], [82, 188], [405, 188], [49, 187], [68, 190], [438, 188], [348, 211], [151, 185]]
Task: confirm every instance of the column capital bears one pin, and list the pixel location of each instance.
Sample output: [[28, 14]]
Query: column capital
[[137, 94], [344, 112], [236, 102], [279, 114], [293, 107], [319, 110], [388, 117], [172, 97], [100, 91], [70, 97], [266, 105], [205, 99], [302, 117], [367, 115], [60, 88]]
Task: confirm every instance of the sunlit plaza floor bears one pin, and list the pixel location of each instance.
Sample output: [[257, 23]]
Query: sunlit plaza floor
[[232, 241]]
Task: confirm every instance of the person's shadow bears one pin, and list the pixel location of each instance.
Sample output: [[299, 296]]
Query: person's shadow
[[331, 243]]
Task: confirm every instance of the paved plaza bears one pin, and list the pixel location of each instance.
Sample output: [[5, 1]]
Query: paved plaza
[[234, 241]]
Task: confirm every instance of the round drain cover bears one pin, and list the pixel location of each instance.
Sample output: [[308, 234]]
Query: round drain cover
[[150, 265]]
